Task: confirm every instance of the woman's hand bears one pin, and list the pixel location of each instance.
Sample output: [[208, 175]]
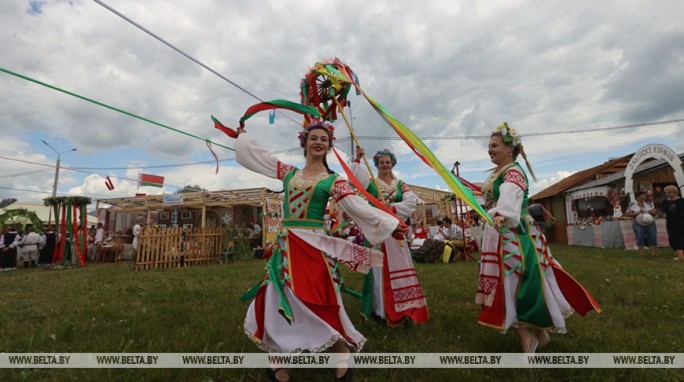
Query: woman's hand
[[400, 232], [498, 220], [359, 152]]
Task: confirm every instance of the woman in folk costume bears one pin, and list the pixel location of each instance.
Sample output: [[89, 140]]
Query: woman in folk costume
[[392, 292], [521, 285], [297, 307]]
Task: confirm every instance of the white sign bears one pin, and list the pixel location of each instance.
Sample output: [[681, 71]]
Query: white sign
[[173, 199], [653, 151]]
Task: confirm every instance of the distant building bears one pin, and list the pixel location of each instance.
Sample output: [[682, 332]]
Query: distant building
[[589, 193]]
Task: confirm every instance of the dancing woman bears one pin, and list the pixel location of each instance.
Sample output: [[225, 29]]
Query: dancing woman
[[392, 292], [521, 285], [297, 307]]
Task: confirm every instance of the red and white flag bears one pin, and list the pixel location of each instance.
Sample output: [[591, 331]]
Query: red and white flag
[[109, 184], [150, 180]]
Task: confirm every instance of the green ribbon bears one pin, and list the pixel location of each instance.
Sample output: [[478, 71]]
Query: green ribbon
[[109, 107]]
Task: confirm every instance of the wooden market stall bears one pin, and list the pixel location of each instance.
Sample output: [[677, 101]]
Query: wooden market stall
[[433, 204], [190, 228]]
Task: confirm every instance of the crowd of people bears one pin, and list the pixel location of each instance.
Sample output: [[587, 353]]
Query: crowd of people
[[33, 249], [36, 249]]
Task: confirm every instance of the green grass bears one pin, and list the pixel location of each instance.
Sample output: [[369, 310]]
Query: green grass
[[106, 308]]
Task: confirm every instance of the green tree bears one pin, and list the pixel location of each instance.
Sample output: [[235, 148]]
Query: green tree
[[6, 202], [190, 188]]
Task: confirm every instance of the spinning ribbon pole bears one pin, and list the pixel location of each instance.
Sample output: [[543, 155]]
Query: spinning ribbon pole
[[329, 81], [337, 71], [381, 197], [365, 160]]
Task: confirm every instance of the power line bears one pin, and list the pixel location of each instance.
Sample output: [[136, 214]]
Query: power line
[[23, 173], [590, 130], [82, 171], [173, 165], [39, 191], [186, 55]]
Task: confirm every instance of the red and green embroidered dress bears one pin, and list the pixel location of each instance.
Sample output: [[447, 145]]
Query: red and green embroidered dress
[[297, 306], [393, 292], [521, 284]]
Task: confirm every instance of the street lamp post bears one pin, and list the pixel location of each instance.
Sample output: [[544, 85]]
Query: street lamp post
[[59, 154]]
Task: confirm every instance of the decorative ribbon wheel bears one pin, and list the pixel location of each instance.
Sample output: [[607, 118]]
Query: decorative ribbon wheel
[[326, 85]]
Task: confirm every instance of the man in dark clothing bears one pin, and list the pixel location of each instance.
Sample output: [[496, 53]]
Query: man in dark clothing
[[539, 214], [8, 252], [50, 240]]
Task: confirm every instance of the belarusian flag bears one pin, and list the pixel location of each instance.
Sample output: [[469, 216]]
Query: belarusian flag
[[150, 180]]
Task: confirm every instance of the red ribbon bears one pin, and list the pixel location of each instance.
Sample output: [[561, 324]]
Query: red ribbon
[[365, 193]]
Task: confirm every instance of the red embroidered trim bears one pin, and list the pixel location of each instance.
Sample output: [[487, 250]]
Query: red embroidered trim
[[408, 294], [283, 169], [341, 190], [487, 284], [516, 177]]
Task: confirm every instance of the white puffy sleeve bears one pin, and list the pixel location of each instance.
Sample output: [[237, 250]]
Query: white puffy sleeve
[[408, 202], [250, 155], [361, 173], [511, 194], [375, 224]]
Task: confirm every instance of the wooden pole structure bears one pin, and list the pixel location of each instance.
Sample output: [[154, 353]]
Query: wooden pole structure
[[365, 160], [461, 223]]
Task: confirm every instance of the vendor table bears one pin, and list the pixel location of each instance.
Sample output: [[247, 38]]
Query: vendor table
[[612, 234]]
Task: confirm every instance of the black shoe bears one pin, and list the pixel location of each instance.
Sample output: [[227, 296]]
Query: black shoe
[[347, 377]]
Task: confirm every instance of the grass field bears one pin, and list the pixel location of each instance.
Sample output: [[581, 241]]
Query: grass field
[[107, 308]]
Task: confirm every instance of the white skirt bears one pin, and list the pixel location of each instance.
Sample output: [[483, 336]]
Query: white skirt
[[307, 332]]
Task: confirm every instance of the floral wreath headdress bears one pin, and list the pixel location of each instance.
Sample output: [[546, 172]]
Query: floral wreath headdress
[[316, 125], [384, 152], [509, 134]]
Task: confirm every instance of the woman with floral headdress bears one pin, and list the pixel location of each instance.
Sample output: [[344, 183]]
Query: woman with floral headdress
[[392, 292], [521, 285], [297, 307]]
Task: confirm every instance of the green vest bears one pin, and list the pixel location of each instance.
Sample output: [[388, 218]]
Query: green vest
[[398, 196], [306, 208]]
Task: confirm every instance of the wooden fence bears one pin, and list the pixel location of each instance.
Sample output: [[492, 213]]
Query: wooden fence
[[160, 248]]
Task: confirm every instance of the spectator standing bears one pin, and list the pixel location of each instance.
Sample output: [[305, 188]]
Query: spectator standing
[[643, 224], [137, 228], [99, 240], [30, 243], [257, 233], [50, 240], [8, 254], [673, 207]]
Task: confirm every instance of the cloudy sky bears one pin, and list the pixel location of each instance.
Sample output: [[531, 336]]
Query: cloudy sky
[[449, 69]]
